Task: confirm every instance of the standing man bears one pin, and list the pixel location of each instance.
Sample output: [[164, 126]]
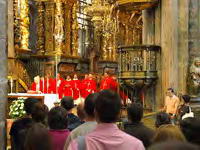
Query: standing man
[[91, 85], [171, 104], [106, 82], [76, 87]]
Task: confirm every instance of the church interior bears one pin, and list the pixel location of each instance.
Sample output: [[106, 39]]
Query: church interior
[[148, 45]]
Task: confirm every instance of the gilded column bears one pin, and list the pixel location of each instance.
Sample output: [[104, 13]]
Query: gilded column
[[67, 29], [59, 28], [24, 25], [40, 27], [75, 29], [48, 22]]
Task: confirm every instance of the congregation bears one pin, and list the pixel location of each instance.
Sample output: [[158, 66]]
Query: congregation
[[94, 127]]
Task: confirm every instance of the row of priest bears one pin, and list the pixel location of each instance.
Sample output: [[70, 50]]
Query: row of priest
[[73, 87]]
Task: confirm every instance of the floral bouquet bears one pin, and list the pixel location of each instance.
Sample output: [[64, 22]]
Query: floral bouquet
[[17, 108]]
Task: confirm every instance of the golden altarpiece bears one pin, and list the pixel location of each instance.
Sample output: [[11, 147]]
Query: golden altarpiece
[[68, 36]]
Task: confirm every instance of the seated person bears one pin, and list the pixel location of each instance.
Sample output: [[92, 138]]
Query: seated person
[[67, 102], [135, 127], [57, 121], [185, 108], [162, 118], [107, 136], [18, 128]]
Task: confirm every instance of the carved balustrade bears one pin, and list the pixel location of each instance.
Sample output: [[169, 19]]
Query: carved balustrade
[[138, 63]]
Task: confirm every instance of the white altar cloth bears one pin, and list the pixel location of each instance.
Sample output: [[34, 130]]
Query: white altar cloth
[[49, 99]]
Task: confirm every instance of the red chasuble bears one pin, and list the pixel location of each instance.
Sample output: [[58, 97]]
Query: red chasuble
[[90, 87], [114, 85], [47, 86], [83, 88], [67, 88], [36, 87], [106, 83], [76, 84]]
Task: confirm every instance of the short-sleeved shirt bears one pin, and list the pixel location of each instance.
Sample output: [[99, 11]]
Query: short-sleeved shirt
[[171, 104]]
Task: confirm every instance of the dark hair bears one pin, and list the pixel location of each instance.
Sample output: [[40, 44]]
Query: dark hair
[[80, 111], [186, 98], [89, 104], [174, 145], [107, 106], [162, 118], [39, 113], [135, 112], [37, 138], [28, 104], [170, 89], [67, 102], [57, 118], [190, 128]]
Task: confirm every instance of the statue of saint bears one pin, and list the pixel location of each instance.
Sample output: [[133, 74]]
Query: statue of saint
[[195, 77]]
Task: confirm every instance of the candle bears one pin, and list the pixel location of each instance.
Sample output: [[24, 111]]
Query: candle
[[11, 84]]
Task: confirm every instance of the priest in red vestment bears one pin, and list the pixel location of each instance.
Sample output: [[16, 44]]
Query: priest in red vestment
[[68, 87], [83, 86], [57, 86], [90, 86], [114, 84], [36, 85], [106, 82], [76, 83], [47, 84]]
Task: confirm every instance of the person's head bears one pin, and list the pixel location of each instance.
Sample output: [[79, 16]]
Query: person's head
[[173, 145], [68, 78], [57, 118], [39, 113], [37, 138], [28, 105], [106, 74], [90, 76], [80, 111], [170, 92], [67, 102], [135, 112], [75, 76], [114, 77], [107, 106], [58, 75], [190, 128], [37, 79], [89, 105], [186, 99], [86, 76], [168, 132], [162, 118]]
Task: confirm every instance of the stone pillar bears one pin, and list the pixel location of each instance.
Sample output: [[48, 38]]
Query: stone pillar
[[148, 37], [11, 50], [3, 72], [183, 53], [169, 44], [159, 91], [148, 17]]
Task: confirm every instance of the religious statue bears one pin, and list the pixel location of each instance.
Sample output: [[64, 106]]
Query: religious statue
[[194, 77]]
